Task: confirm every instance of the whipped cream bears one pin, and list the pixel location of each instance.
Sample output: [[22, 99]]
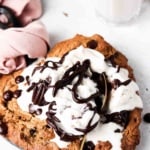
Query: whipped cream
[[71, 106], [118, 10]]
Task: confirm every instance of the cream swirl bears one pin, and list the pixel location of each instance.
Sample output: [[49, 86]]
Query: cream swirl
[[61, 90]]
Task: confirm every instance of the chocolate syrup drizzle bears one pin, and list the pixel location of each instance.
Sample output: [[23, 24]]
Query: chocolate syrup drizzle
[[54, 65], [117, 83], [120, 118], [78, 71]]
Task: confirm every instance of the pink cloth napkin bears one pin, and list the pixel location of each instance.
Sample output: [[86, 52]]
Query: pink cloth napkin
[[32, 39]]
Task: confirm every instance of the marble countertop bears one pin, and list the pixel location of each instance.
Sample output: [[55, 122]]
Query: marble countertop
[[66, 18]]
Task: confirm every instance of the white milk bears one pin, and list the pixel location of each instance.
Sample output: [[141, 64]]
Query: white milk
[[118, 10]]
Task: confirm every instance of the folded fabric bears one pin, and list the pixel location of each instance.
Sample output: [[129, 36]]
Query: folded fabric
[[25, 10], [32, 39]]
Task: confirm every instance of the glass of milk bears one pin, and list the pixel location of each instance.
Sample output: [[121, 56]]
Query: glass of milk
[[118, 10]]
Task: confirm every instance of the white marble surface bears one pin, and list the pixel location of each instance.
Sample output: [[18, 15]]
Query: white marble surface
[[65, 18]]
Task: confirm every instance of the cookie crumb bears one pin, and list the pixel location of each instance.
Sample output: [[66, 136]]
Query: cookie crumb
[[65, 14]]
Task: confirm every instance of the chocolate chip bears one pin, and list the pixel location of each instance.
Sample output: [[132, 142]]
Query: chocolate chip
[[19, 79], [89, 146], [8, 95], [92, 44], [24, 137], [32, 131], [146, 117], [17, 93], [3, 128]]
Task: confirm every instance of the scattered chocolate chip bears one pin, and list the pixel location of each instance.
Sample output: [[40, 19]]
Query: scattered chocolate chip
[[92, 44], [3, 128], [8, 95], [89, 146], [146, 117], [19, 79], [17, 93]]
